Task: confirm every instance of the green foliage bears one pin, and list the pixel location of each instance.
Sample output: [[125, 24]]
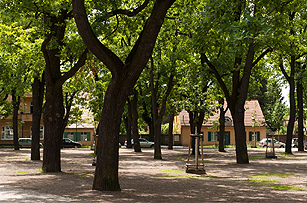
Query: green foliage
[[164, 128]]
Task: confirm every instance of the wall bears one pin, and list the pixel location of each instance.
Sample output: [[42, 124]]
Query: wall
[[185, 135]]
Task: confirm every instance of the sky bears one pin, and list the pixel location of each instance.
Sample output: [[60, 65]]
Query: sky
[[285, 94]]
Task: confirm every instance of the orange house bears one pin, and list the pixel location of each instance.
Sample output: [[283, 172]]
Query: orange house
[[80, 132], [254, 126]]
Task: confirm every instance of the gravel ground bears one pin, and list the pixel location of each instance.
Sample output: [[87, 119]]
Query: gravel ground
[[144, 179]]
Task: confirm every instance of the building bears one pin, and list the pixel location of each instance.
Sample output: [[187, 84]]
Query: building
[[80, 132], [254, 125]]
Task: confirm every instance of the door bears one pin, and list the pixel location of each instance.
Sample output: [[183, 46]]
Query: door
[[227, 138]]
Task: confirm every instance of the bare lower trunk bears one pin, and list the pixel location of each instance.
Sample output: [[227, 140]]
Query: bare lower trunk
[[300, 116], [37, 99], [222, 127], [16, 102], [53, 123], [292, 112], [170, 131], [157, 153], [135, 117], [128, 121], [240, 135], [106, 173]]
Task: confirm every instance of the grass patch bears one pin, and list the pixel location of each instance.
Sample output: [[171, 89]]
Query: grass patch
[[173, 171], [211, 147], [267, 179], [91, 154], [257, 157], [42, 170], [286, 187], [264, 175], [23, 172], [286, 155], [181, 159], [85, 175]]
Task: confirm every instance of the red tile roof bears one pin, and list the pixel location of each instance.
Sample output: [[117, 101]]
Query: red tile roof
[[252, 108]]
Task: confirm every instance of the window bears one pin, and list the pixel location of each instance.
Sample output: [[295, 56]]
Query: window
[[71, 136], [7, 133], [41, 133], [78, 136], [213, 136], [83, 136], [228, 119], [252, 137]]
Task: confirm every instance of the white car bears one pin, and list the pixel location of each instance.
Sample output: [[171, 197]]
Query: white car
[[26, 142], [263, 143], [143, 143]]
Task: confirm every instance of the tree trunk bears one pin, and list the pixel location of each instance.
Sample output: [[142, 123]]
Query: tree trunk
[[147, 117], [106, 173], [300, 116], [290, 127], [240, 135], [128, 121], [135, 117], [16, 102], [37, 101], [192, 129], [170, 131], [157, 153], [222, 126], [53, 124]]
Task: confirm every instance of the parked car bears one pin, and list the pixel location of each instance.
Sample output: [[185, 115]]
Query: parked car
[[26, 142], [278, 144], [68, 143], [143, 143], [294, 142]]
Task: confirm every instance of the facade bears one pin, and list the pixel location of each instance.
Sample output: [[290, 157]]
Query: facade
[[254, 126], [83, 132]]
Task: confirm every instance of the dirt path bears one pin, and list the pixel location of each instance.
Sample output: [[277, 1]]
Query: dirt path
[[144, 179]]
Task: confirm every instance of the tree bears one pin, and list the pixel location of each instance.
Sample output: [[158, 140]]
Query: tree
[[266, 87], [53, 48], [222, 124], [124, 77], [290, 58], [233, 43], [61, 48], [135, 117], [38, 89], [14, 64], [158, 113]]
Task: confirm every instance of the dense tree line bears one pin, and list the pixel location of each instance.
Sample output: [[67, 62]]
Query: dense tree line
[[156, 57]]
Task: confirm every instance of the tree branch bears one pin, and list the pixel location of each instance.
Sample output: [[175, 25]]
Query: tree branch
[[204, 59], [74, 69], [129, 13], [167, 93], [261, 56], [282, 68], [113, 63]]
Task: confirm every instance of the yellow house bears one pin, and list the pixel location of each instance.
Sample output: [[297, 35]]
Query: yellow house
[[80, 132], [254, 126]]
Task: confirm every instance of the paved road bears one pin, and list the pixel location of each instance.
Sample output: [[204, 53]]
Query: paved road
[[16, 195]]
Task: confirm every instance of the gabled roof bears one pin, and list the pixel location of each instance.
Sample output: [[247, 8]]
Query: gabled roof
[[252, 108]]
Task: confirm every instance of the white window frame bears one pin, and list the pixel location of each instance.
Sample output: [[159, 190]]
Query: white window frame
[[214, 135], [7, 133], [83, 136]]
